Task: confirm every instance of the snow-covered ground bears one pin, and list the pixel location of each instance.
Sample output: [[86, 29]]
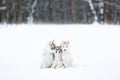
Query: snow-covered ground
[[95, 50]]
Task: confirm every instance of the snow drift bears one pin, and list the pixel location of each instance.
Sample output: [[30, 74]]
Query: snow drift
[[95, 50]]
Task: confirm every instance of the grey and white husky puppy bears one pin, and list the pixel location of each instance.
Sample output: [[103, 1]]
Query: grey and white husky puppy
[[57, 63]]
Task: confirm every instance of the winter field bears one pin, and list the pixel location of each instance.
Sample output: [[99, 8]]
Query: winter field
[[95, 50]]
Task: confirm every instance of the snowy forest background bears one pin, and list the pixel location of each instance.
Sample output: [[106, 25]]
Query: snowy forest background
[[60, 11]]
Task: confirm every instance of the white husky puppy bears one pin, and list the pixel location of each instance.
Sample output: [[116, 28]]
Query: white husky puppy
[[57, 63], [48, 55], [66, 56]]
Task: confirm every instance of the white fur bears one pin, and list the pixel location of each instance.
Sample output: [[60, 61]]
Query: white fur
[[66, 56], [57, 61], [67, 59], [47, 57]]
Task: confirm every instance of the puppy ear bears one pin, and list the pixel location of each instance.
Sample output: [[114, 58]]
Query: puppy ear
[[60, 46], [68, 42], [53, 41]]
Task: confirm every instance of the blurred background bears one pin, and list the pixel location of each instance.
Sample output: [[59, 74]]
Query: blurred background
[[60, 11]]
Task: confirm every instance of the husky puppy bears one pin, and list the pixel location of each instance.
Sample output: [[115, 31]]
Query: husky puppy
[[66, 56], [48, 55], [58, 58]]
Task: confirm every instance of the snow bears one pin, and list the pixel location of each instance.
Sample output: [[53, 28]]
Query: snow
[[95, 50]]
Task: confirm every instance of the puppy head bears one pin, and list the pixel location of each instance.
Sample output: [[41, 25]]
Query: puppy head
[[52, 45], [58, 49], [65, 46]]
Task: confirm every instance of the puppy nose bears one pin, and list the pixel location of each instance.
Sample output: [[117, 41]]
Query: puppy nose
[[64, 49]]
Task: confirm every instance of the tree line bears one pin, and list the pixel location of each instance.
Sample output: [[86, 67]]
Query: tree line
[[60, 11]]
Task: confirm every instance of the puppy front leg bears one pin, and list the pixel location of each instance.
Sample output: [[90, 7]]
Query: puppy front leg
[[65, 64], [60, 65], [54, 65]]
